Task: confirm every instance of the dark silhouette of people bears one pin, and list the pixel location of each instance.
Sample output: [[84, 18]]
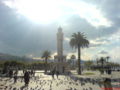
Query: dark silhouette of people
[[107, 84], [26, 78], [106, 71], [10, 73], [53, 72], [23, 71], [15, 76], [5, 70], [63, 69], [57, 73], [109, 71], [32, 72]]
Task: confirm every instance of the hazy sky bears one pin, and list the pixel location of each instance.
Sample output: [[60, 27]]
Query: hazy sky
[[28, 27]]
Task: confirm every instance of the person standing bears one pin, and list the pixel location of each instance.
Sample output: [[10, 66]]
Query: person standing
[[107, 84], [53, 72], [26, 78], [10, 73], [15, 76]]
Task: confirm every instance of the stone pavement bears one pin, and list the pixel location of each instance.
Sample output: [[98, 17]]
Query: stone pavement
[[46, 82]]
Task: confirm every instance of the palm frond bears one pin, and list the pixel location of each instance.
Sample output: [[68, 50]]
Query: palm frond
[[46, 54], [78, 39]]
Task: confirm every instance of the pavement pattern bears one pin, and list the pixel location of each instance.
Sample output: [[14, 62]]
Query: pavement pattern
[[45, 82]]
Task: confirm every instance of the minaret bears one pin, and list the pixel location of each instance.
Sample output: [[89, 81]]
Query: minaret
[[60, 44]]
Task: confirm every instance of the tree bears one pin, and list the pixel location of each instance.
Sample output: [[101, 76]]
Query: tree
[[102, 61], [73, 57], [107, 58], [46, 55], [79, 41]]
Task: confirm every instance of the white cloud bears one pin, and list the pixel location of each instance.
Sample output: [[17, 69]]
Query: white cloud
[[54, 54], [89, 12], [67, 39], [114, 54], [59, 10], [115, 37], [85, 54], [98, 42], [106, 40], [103, 52]]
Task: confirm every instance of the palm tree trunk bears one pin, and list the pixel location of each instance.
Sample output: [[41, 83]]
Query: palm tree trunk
[[79, 60]]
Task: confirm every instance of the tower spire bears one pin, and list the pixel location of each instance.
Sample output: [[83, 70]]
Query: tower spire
[[60, 29]]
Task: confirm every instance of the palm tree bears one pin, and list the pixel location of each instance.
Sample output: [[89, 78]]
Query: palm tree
[[46, 55], [79, 41], [102, 60]]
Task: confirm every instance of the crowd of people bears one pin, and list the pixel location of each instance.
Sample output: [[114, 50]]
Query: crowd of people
[[13, 73], [53, 72], [27, 74]]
